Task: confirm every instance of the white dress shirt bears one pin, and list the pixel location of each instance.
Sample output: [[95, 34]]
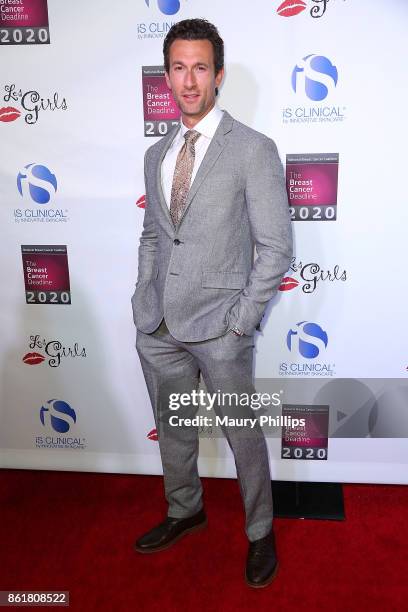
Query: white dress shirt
[[207, 127]]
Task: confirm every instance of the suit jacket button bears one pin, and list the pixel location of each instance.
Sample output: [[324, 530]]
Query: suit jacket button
[[176, 241]]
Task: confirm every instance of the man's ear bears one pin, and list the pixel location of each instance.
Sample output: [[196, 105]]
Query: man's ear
[[219, 77], [167, 80]]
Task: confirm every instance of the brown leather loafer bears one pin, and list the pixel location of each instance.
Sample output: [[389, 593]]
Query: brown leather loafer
[[262, 564], [169, 531]]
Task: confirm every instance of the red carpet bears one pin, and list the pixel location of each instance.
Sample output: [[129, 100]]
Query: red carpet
[[75, 531]]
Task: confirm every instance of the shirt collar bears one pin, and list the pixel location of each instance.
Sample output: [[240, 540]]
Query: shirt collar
[[207, 125]]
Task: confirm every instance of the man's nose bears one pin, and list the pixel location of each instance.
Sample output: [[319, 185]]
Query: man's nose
[[189, 78]]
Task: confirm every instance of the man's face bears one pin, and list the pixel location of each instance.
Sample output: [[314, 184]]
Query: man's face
[[192, 78]]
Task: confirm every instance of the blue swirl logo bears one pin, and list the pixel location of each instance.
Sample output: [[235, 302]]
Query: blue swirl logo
[[37, 182], [58, 414], [316, 76], [308, 339], [168, 7]]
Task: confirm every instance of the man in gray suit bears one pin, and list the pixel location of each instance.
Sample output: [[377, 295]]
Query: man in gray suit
[[214, 189]]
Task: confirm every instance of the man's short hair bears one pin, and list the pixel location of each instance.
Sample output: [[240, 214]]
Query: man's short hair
[[195, 29]]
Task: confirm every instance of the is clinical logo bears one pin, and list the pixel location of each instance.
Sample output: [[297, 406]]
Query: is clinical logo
[[37, 182], [167, 7], [316, 76], [31, 104], [52, 351], [290, 8], [307, 339], [311, 275], [57, 414], [141, 202], [158, 29]]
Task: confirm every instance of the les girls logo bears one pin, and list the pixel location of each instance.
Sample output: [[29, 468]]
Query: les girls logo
[[290, 8], [29, 103], [52, 352], [311, 275]]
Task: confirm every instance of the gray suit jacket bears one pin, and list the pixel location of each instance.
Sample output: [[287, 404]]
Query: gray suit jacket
[[202, 276]]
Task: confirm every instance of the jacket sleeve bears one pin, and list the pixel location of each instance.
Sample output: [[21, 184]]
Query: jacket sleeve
[[147, 265], [269, 218]]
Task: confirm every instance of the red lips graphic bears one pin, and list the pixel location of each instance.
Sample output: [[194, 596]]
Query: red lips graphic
[[152, 435], [141, 202], [288, 283], [290, 8], [33, 358], [9, 113]]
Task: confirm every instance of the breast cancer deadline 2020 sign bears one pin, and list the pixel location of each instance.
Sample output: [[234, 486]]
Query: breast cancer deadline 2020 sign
[[160, 109], [24, 22], [311, 182], [46, 274], [309, 438]]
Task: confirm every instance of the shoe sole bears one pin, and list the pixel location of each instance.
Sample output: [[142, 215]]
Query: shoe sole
[[148, 551], [263, 584]]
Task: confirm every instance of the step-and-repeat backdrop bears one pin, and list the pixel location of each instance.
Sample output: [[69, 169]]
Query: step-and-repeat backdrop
[[82, 95]]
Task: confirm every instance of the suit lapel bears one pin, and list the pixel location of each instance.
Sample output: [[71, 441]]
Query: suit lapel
[[213, 152]]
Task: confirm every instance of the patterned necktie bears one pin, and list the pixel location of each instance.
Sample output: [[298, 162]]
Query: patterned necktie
[[182, 176]]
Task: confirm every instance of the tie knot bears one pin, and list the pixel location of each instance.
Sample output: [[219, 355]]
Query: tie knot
[[191, 137]]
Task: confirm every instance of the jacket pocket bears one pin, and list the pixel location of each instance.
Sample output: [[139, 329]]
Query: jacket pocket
[[224, 280]]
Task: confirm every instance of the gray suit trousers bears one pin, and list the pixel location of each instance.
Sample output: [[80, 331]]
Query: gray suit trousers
[[225, 362]]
